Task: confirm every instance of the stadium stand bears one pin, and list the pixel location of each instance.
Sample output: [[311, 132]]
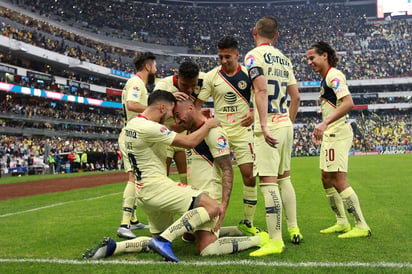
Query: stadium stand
[[63, 65]]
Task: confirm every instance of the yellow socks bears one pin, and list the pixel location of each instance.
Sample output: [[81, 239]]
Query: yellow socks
[[288, 195], [228, 245], [139, 244], [352, 204], [188, 222], [129, 197], [273, 206], [249, 202], [336, 204]]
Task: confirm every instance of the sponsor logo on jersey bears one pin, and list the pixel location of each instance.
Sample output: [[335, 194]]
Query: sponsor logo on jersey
[[230, 97], [270, 59], [337, 87], [231, 118], [242, 84], [335, 83], [135, 95], [250, 61], [229, 109], [222, 142], [166, 131]]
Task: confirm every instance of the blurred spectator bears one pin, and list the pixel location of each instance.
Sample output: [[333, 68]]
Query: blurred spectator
[[370, 50]]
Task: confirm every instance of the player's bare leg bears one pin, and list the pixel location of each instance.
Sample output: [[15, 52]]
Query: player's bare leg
[[180, 160]]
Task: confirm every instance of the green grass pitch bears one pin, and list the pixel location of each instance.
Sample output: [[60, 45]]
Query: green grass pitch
[[48, 233]]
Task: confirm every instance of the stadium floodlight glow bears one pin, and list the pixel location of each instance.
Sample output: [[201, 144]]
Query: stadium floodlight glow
[[393, 8]]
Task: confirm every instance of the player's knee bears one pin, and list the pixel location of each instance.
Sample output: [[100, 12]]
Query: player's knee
[[325, 177], [285, 174], [249, 180], [247, 175], [211, 206], [213, 210]]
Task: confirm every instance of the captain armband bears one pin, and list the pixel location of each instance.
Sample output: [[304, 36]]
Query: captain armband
[[255, 72]]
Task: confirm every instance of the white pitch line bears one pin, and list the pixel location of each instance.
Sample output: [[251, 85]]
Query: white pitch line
[[57, 204], [218, 263]]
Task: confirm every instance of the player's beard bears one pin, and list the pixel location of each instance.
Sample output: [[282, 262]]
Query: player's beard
[[151, 79]]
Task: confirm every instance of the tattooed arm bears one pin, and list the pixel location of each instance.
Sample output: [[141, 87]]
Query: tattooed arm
[[225, 165]]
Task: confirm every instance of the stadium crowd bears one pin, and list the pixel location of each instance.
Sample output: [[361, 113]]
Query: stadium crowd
[[32, 107], [368, 49], [20, 151], [386, 132]]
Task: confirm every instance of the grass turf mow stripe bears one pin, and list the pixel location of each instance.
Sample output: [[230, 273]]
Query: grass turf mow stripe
[[57, 204], [216, 263]]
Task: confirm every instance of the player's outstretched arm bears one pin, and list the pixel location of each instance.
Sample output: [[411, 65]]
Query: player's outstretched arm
[[193, 139], [227, 182], [135, 106], [199, 103]]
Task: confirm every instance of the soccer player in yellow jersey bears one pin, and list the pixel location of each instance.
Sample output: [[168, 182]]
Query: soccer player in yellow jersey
[[189, 80], [273, 80], [159, 196], [230, 88], [134, 101], [335, 135], [186, 84], [209, 169]]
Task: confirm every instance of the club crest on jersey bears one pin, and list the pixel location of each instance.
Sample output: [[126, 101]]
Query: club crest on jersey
[[222, 142], [250, 61], [242, 84], [164, 130]]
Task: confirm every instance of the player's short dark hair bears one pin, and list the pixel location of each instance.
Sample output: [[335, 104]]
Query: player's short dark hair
[[186, 101], [267, 27], [161, 96], [228, 42], [188, 70], [142, 58], [322, 47]]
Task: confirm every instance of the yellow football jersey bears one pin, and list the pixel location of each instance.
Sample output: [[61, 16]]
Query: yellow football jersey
[[333, 88], [202, 171], [278, 71], [134, 90], [146, 142], [231, 96]]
